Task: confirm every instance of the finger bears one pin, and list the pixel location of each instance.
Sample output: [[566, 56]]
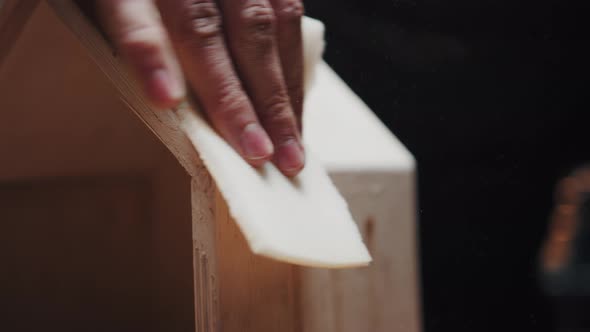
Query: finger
[[137, 31], [250, 31], [290, 44], [195, 28]]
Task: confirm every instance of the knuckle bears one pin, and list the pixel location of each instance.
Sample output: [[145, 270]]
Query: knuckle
[[232, 101], [290, 11], [295, 88], [296, 94], [201, 21], [258, 18], [277, 114]]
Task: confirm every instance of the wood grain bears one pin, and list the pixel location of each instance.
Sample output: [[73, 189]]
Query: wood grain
[[256, 293], [205, 255]]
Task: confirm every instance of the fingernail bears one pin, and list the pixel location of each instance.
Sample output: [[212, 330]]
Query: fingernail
[[255, 142], [290, 156], [165, 88]]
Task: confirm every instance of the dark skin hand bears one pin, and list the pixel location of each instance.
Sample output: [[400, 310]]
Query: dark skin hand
[[243, 60]]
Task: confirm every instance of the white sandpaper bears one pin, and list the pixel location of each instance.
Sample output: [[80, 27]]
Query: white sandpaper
[[303, 220]]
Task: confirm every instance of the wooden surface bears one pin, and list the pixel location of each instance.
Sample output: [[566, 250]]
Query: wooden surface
[[73, 255], [61, 116], [95, 218], [256, 293], [13, 16], [171, 246], [205, 255], [376, 175], [163, 123]]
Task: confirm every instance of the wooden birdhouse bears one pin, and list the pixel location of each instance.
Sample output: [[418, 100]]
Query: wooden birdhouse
[[109, 221]]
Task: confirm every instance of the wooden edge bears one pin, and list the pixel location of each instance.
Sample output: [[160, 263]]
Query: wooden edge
[[163, 123], [206, 279], [14, 15]]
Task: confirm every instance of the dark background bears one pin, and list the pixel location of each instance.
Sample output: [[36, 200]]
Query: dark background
[[490, 96]]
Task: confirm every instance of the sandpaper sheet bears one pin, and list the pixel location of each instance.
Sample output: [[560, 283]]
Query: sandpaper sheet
[[302, 220]]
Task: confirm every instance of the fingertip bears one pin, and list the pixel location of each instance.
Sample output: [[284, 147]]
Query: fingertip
[[256, 146], [138, 33], [290, 157], [164, 89]]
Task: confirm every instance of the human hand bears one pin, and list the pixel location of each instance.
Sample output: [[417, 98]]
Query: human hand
[[243, 60]]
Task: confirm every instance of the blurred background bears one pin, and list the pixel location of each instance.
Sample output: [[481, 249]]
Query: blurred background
[[490, 97]]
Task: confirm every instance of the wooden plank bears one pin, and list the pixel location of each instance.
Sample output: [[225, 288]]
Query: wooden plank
[[64, 121], [375, 173], [383, 205], [164, 124]]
